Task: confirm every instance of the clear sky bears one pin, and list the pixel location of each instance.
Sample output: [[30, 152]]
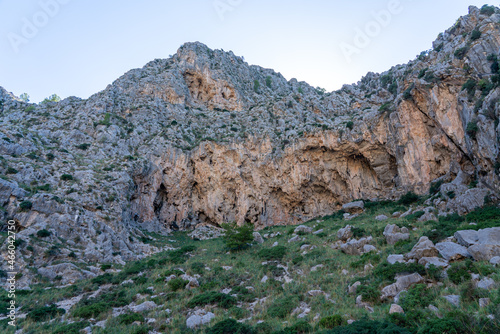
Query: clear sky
[[76, 47]]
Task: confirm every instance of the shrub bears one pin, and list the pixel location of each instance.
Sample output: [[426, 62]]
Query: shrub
[[469, 293], [104, 279], [282, 307], [230, 326], [418, 296], [300, 327], [407, 93], [472, 129], [483, 215], [263, 328], [43, 233], [45, 313], [268, 81], [74, 328], [458, 273], [179, 256], [275, 253], [331, 321], [129, 318], [66, 177], [435, 187], [470, 86], [386, 107], [177, 284], [475, 35], [370, 327], [441, 326], [350, 125], [408, 198], [212, 297], [256, 86], [386, 271], [369, 293], [197, 268], [238, 238], [83, 147], [11, 170], [460, 53], [25, 205], [93, 307], [487, 10]]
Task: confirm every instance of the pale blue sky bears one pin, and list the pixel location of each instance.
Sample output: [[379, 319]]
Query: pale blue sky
[[82, 46]]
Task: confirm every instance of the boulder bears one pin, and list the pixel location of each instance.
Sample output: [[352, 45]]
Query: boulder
[[451, 251], [352, 288], [395, 308], [495, 260], [486, 283], [427, 216], [453, 300], [438, 262], [257, 237], [489, 236], [303, 229], [484, 252], [196, 320], [354, 207], [146, 306], [369, 248], [318, 231], [402, 283], [423, 248], [466, 238], [393, 234], [345, 233], [355, 247], [381, 218], [484, 302], [395, 259]]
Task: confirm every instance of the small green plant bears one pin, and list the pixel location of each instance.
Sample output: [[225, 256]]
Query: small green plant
[[268, 81], [461, 52], [275, 253], [487, 10], [256, 86], [238, 238], [129, 318], [43, 233], [350, 125], [230, 326], [11, 170], [282, 307], [472, 129], [369, 293], [45, 313], [25, 205], [83, 147], [66, 177], [212, 297], [459, 273], [475, 35], [408, 198], [177, 284], [331, 321]]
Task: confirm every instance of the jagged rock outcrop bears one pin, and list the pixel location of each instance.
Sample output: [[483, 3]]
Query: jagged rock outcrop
[[204, 138]]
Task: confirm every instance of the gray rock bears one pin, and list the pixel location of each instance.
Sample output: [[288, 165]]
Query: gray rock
[[438, 262], [146, 306], [466, 238], [402, 283], [355, 247], [489, 236], [381, 217], [295, 239], [451, 251], [393, 234], [316, 267], [68, 271], [482, 252], [423, 248], [303, 229], [354, 207], [395, 308], [352, 288], [345, 233], [484, 302], [318, 231], [495, 260], [369, 248], [427, 216], [257, 237], [395, 259], [453, 300], [314, 293], [486, 283]]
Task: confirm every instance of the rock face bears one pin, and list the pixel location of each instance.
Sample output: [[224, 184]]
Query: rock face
[[205, 138]]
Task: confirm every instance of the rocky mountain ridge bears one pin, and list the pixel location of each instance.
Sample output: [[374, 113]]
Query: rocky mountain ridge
[[204, 138]]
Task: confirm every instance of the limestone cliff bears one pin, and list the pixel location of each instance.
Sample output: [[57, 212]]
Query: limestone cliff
[[202, 137]]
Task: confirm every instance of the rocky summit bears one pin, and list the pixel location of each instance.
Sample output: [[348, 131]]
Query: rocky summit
[[202, 139]]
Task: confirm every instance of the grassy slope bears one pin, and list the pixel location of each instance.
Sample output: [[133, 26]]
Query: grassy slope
[[247, 271]]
